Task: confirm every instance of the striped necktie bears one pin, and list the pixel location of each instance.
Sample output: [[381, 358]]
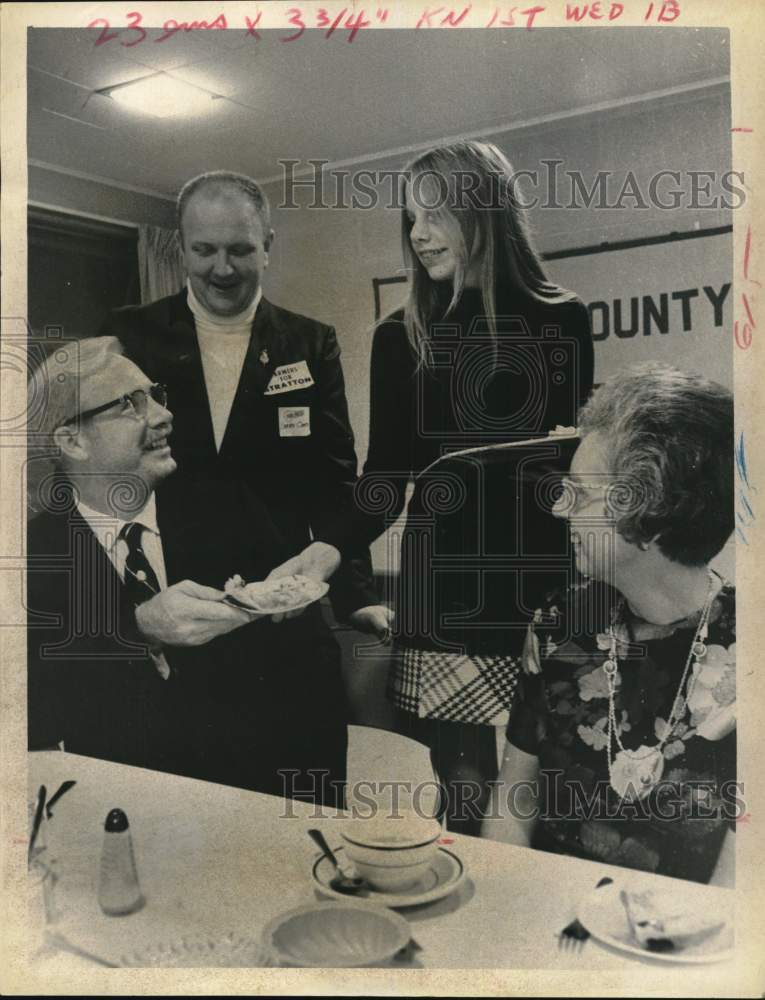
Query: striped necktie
[[141, 581]]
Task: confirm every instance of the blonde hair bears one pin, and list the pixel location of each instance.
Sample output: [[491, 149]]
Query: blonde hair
[[487, 214]]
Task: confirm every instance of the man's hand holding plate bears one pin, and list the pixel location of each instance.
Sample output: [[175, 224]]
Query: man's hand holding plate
[[187, 614]]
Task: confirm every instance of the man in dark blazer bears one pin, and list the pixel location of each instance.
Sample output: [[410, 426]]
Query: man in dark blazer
[[99, 682], [257, 392], [129, 660]]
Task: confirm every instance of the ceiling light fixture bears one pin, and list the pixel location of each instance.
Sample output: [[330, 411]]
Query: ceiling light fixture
[[161, 95]]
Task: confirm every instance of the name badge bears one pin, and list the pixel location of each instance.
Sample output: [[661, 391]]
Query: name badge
[[294, 421], [287, 378]]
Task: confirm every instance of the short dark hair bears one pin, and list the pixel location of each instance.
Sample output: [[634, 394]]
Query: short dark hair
[[669, 440], [223, 179]]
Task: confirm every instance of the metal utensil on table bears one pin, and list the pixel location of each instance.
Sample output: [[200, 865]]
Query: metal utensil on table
[[37, 821], [62, 790], [340, 882], [408, 952], [574, 935]]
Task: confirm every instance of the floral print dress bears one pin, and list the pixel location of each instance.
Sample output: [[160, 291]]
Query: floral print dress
[[676, 826]]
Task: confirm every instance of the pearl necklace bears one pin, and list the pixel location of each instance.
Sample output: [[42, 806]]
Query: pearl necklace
[[650, 762]]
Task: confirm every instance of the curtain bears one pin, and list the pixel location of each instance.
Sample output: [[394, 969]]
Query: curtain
[[159, 263]]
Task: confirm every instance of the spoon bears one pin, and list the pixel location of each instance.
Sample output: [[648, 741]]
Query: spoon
[[340, 882]]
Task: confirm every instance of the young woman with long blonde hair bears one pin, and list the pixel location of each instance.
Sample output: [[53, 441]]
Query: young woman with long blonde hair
[[487, 349]]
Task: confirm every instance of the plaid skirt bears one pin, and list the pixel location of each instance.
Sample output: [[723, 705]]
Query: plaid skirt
[[453, 686]]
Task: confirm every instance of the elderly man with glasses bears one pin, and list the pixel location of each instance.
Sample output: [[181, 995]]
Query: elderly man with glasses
[[123, 666], [103, 621]]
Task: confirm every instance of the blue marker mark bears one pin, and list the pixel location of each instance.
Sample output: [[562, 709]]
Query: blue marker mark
[[741, 459], [747, 505], [748, 515]]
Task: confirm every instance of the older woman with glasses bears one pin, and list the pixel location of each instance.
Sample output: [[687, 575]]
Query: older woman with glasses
[[622, 745]]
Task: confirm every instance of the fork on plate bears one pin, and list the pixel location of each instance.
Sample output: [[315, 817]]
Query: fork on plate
[[574, 936]]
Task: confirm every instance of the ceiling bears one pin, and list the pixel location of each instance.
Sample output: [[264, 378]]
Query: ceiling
[[318, 98]]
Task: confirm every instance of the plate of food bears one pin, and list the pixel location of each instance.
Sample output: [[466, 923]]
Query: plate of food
[[682, 922], [271, 597]]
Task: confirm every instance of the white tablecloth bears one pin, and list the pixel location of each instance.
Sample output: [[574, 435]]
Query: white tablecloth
[[216, 859]]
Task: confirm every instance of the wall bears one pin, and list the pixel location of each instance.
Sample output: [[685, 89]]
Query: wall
[[68, 192], [668, 302]]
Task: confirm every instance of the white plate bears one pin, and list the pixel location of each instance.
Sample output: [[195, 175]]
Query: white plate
[[317, 592], [444, 875], [201, 952], [604, 916]]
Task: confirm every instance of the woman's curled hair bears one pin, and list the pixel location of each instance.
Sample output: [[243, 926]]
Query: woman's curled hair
[[669, 442]]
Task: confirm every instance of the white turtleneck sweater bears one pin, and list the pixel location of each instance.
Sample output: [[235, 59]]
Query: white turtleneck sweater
[[223, 343]]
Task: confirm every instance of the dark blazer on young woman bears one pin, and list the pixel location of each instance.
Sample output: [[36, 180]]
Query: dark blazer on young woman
[[472, 523]]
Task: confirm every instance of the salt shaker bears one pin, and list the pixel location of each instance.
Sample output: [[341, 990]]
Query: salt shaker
[[118, 892]]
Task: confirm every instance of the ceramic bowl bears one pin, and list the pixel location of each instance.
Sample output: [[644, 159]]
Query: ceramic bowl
[[336, 935], [392, 853]]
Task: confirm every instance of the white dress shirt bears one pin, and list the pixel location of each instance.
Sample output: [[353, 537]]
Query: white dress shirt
[[107, 530], [223, 343]]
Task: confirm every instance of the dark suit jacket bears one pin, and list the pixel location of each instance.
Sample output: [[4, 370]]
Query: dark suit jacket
[[265, 697], [236, 710], [91, 681], [306, 483]]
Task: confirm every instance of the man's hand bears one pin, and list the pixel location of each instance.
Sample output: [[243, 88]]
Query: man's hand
[[187, 614], [376, 619], [317, 561]]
